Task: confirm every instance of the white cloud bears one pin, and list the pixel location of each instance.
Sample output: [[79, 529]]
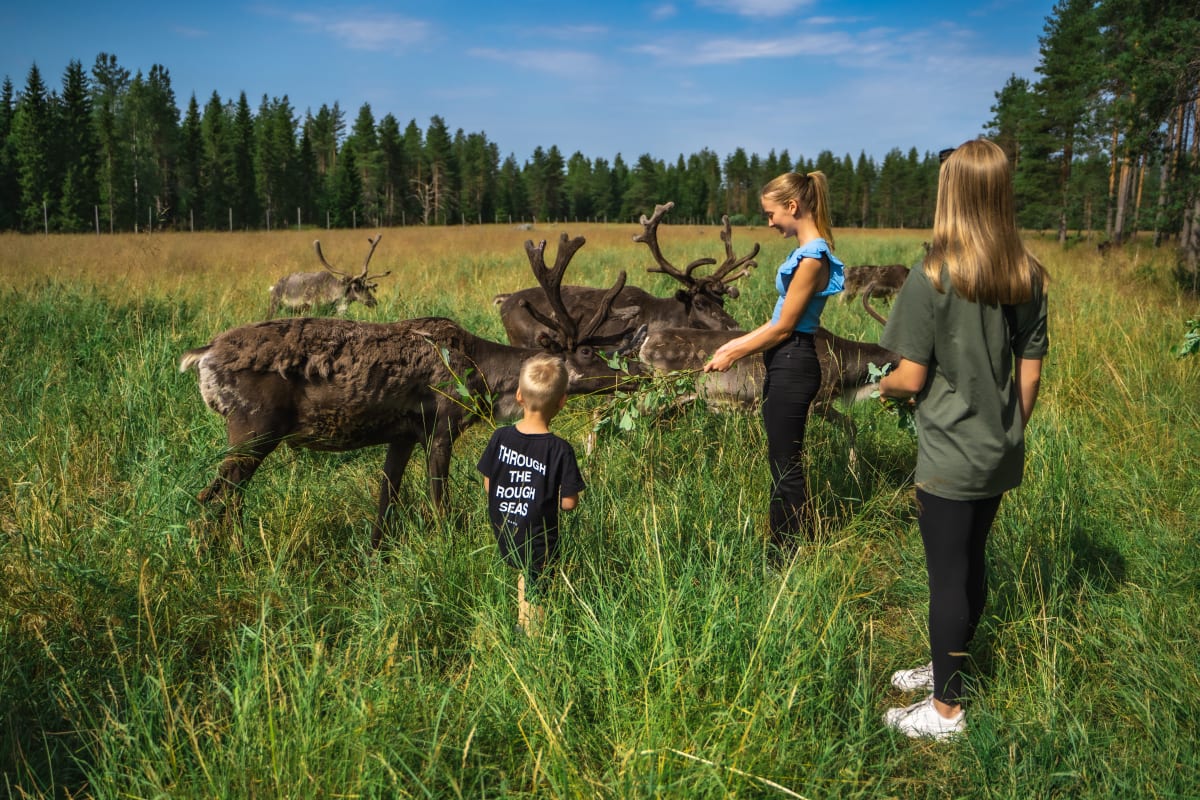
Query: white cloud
[[189, 32], [727, 51], [376, 32], [757, 8], [566, 63], [664, 11]]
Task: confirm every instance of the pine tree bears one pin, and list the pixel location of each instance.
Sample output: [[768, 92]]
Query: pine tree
[[346, 193], [110, 84], [393, 171], [275, 159], [191, 160], [247, 210], [78, 147], [443, 172], [10, 191], [366, 154], [511, 202], [34, 152], [1069, 85], [216, 175]]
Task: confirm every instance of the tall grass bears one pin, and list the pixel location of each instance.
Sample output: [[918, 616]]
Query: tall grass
[[145, 653]]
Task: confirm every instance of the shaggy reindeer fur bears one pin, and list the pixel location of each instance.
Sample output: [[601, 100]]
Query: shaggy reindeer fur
[[333, 384]]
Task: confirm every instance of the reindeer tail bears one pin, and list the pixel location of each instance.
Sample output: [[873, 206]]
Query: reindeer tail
[[192, 357]]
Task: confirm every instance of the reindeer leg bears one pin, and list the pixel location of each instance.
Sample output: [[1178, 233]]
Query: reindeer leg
[[438, 451], [246, 454], [393, 470], [843, 421]]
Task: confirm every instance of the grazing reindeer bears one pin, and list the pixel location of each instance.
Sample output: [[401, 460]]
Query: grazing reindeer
[[699, 304], [332, 384], [302, 291], [844, 371], [886, 279]]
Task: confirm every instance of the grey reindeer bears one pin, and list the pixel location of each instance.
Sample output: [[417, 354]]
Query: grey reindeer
[[304, 291]]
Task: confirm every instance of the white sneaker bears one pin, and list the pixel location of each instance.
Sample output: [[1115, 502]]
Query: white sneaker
[[921, 719], [910, 680]]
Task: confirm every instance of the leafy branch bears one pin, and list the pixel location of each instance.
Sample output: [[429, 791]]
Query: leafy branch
[[902, 409], [457, 389], [648, 399], [1191, 340]]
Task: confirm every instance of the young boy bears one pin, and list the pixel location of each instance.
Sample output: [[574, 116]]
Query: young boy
[[529, 474]]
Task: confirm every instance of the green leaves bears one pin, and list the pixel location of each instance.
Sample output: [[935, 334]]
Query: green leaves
[[649, 400], [902, 409], [1191, 340]]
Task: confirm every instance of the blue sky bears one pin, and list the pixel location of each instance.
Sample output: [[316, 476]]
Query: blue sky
[[664, 77]]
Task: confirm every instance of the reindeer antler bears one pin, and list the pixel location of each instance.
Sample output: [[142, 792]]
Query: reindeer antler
[[550, 279], [720, 279], [324, 263], [374, 242], [714, 283]]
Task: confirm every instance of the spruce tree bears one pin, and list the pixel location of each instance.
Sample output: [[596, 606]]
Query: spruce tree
[[80, 189], [34, 152]]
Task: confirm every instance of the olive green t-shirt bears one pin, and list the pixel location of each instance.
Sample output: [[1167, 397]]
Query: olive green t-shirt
[[970, 440]]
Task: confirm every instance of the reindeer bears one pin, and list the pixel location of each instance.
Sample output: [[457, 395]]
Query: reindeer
[[332, 384], [699, 304], [844, 370], [302, 291], [886, 279]]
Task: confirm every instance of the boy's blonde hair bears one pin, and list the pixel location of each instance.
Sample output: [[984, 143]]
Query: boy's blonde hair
[[811, 193], [975, 229], [543, 382]]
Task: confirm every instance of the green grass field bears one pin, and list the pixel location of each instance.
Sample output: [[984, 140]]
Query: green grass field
[[145, 654]]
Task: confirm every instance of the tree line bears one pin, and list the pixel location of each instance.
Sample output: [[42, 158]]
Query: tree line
[[1104, 142], [111, 151]]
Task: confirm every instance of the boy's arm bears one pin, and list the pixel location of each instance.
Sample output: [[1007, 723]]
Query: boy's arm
[[568, 502], [487, 485]]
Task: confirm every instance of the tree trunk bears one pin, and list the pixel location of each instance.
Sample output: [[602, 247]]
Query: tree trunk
[[1124, 190], [1065, 181], [1112, 184]]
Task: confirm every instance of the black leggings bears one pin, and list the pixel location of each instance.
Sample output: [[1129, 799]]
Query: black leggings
[[792, 381], [954, 533]]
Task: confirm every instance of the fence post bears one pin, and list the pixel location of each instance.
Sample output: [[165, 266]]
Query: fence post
[[96, 212], [297, 218], [45, 218]]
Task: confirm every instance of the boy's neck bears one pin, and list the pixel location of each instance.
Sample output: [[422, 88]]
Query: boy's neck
[[534, 422]]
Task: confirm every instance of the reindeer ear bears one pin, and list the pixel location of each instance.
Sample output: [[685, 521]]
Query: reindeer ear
[[547, 342]]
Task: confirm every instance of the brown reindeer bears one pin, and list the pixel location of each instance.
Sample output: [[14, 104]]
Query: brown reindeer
[[302, 291], [886, 279], [699, 304], [334, 384]]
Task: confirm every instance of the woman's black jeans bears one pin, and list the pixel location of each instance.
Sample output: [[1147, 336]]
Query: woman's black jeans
[[792, 381]]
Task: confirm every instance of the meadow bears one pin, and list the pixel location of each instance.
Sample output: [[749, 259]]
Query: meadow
[[146, 653]]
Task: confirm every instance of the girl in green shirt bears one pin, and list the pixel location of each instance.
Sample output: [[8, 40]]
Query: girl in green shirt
[[970, 327]]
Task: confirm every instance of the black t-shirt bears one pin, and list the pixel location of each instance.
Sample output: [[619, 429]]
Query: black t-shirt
[[528, 474]]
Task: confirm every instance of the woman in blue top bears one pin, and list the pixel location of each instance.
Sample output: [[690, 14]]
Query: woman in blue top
[[797, 206]]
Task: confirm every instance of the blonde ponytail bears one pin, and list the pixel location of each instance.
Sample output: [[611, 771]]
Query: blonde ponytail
[[811, 193]]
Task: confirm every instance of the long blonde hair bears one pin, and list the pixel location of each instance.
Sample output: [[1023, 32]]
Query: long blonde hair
[[975, 229], [811, 193]]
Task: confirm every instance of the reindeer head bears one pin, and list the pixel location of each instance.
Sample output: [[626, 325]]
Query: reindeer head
[[569, 334], [359, 287], [704, 293]]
